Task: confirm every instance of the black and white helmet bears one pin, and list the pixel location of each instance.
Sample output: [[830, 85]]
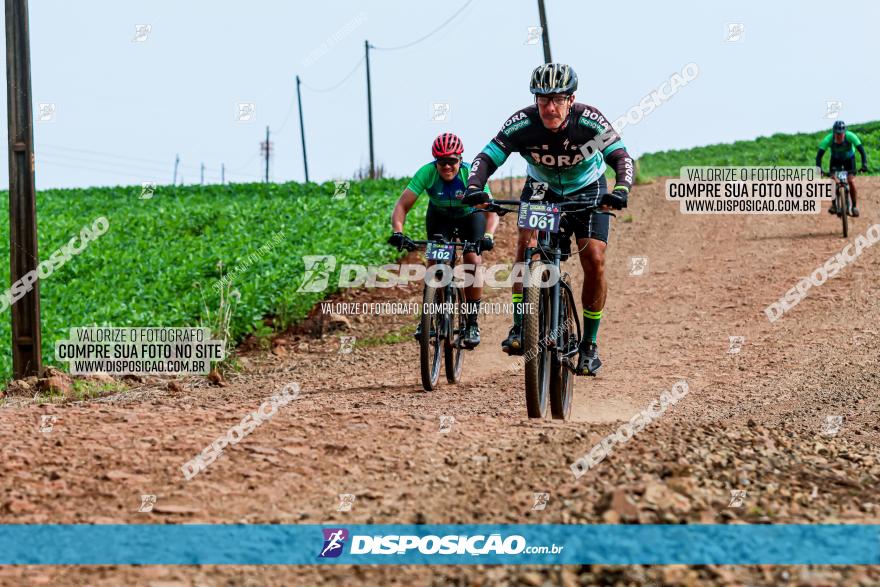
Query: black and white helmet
[[553, 78]]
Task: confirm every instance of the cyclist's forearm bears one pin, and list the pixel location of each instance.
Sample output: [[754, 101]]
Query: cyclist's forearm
[[481, 169], [622, 163], [401, 209], [864, 155], [491, 223], [819, 155]]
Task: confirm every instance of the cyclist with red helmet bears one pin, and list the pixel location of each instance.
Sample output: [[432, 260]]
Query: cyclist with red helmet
[[445, 181]]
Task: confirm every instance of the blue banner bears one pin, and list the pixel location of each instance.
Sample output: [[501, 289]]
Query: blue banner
[[149, 544]]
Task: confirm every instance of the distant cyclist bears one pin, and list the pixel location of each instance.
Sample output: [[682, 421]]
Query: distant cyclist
[[549, 135], [843, 145], [445, 181]]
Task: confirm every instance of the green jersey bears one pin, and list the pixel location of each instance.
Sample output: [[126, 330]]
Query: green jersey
[[445, 196], [845, 149]]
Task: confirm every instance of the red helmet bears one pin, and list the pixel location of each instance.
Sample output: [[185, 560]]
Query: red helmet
[[447, 144]]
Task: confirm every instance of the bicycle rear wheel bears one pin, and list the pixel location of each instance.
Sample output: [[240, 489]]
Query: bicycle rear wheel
[[429, 342], [536, 318], [453, 357], [561, 377]]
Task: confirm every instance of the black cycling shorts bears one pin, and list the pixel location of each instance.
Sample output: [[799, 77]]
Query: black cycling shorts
[[582, 224], [843, 164], [471, 228]]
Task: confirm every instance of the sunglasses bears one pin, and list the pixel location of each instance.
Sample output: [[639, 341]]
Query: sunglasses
[[557, 100], [448, 161]]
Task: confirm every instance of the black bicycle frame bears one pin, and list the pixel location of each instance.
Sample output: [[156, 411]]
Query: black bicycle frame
[[548, 249], [448, 294]]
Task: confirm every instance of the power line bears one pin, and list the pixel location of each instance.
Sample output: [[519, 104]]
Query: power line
[[248, 162], [112, 155], [109, 167], [141, 163], [284, 123], [116, 172], [100, 158], [140, 168], [417, 41], [345, 79]]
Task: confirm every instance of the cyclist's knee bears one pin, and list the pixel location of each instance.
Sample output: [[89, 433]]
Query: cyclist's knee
[[526, 236], [593, 256]]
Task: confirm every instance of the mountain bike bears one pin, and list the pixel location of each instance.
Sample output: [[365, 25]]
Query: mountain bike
[[443, 319], [842, 197], [551, 329]]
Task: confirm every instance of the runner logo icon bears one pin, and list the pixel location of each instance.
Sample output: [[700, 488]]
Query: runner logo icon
[[334, 542]]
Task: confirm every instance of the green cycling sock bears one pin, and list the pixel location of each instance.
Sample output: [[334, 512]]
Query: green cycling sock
[[591, 325], [517, 309]]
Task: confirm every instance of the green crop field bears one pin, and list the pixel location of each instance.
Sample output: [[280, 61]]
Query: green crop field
[[157, 263], [779, 149]]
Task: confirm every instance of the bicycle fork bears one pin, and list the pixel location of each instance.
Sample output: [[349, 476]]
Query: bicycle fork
[[555, 292]]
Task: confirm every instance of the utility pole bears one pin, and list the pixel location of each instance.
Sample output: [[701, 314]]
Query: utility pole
[[302, 132], [202, 175], [222, 173], [266, 149], [545, 34], [370, 112], [23, 255], [176, 163]]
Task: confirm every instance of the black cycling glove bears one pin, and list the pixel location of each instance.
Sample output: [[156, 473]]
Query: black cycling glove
[[399, 240], [485, 244], [617, 198], [475, 196]]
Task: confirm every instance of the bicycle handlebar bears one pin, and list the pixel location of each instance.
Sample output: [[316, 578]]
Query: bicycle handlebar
[[565, 206], [412, 245], [445, 242]]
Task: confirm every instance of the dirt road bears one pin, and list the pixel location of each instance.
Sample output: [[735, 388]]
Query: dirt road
[[792, 420]]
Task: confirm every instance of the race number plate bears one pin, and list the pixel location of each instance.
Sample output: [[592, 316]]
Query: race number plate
[[439, 252], [539, 216]]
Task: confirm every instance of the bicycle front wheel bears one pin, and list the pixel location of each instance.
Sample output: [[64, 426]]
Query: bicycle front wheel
[[430, 340], [844, 200], [561, 377], [453, 357], [536, 327]]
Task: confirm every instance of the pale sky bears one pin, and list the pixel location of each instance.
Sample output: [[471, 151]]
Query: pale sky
[[123, 109]]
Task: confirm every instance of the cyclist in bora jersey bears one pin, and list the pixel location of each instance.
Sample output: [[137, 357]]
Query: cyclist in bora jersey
[[549, 135], [444, 180]]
